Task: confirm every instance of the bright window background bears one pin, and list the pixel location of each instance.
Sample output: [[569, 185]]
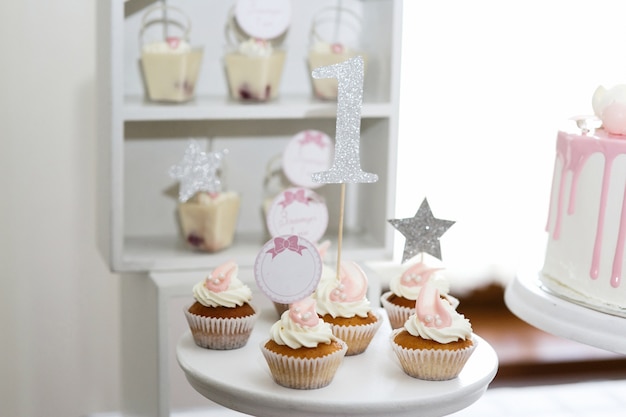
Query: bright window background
[[485, 86]]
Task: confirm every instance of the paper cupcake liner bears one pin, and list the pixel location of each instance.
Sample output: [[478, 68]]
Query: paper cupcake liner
[[220, 333], [303, 373], [398, 315], [432, 364], [358, 337]]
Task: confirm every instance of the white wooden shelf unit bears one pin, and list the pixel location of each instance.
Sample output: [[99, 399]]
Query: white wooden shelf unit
[[139, 140]]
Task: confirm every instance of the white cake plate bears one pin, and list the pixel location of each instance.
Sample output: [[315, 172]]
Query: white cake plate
[[370, 384], [527, 299]]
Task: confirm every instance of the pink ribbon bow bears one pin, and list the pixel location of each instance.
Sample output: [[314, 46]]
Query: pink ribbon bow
[[291, 243], [291, 197], [316, 138]]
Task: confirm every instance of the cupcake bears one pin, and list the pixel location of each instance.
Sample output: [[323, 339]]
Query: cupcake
[[221, 317], [323, 54], [302, 352], [399, 302], [435, 342], [343, 304]]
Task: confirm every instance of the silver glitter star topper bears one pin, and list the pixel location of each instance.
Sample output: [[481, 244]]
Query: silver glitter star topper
[[197, 171], [422, 232]]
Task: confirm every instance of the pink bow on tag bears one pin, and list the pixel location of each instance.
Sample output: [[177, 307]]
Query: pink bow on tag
[[291, 243], [430, 309], [316, 138], [291, 197]]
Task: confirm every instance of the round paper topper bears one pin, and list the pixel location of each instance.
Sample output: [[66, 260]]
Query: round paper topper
[[307, 152], [288, 268], [266, 19], [298, 211]]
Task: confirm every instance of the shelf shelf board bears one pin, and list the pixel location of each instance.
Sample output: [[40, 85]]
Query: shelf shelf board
[[170, 253], [138, 108]]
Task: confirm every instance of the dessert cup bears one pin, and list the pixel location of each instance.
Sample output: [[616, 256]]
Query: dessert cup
[[254, 78], [208, 222]]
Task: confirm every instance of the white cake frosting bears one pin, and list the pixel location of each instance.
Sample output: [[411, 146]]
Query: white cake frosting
[[585, 254]]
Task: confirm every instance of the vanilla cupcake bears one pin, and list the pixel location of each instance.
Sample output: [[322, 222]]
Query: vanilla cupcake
[[436, 341], [343, 304], [399, 302], [302, 352], [221, 317]]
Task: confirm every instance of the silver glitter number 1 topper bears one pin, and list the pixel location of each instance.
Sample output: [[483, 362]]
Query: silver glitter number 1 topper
[[347, 163]]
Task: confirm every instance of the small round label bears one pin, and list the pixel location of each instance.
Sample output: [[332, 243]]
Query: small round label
[[288, 268], [265, 19], [307, 152], [298, 211]]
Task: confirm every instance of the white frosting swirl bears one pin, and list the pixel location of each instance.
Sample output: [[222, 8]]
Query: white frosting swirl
[[287, 332], [255, 47], [328, 283], [237, 294], [459, 329], [163, 47]]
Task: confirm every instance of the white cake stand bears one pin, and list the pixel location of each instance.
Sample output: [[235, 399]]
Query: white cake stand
[[370, 384], [526, 299]]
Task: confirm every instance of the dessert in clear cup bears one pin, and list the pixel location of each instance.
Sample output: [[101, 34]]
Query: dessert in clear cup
[[170, 66], [343, 26], [342, 302], [323, 54], [435, 342], [207, 215], [254, 70], [221, 317], [302, 351], [208, 220]]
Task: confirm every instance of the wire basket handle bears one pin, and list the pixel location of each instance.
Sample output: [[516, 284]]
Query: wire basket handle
[[333, 14], [166, 20]]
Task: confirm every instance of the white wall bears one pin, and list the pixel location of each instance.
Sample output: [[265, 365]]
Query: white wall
[[58, 303], [486, 84]]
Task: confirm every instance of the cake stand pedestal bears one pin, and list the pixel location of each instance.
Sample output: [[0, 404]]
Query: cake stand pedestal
[[370, 384], [527, 299]]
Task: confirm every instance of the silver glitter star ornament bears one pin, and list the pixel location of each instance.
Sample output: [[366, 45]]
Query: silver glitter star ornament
[[422, 232], [197, 171]]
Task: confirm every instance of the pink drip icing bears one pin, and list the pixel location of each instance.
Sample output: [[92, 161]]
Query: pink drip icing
[[616, 273], [575, 151]]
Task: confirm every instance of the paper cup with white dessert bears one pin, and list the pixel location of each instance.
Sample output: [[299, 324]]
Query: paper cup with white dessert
[[334, 32], [254, 60], [169, 63], [207, 214]]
